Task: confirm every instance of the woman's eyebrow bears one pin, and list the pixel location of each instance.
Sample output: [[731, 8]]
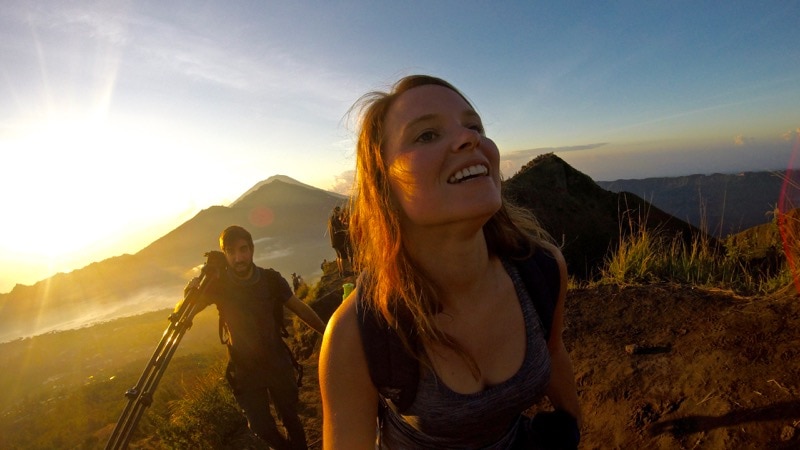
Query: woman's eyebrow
[[414, 122], [471, 113], [468, 113]]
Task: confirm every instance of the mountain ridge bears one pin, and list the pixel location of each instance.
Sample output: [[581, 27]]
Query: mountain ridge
[[280, 178], [585, 219], [723, 204]]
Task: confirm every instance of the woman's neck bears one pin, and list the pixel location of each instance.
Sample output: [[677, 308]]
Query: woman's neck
[[456, 263]]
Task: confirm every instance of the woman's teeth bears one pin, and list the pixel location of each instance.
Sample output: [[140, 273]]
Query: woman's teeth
[[467, 173]]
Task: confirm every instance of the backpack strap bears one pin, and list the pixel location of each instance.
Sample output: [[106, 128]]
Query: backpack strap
[[224, 334], [395, 372], [542, 278], [298, 368]]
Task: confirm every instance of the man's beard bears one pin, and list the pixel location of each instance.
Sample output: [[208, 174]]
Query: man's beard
[[242, 269]]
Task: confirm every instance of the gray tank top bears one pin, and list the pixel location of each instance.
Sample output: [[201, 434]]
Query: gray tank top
[[441, 418]]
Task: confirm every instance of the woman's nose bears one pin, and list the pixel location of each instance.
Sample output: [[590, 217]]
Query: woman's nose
[[468, 139]]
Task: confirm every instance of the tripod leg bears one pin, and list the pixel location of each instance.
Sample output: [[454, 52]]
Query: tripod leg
[[140, 397]]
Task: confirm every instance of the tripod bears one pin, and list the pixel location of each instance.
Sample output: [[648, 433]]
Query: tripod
[[141, 395]]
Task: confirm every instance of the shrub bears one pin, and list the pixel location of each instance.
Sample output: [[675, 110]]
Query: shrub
[[302, 291], [645, 255], [207, 417]]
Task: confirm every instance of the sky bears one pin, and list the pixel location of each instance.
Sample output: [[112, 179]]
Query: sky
[[120, 120]]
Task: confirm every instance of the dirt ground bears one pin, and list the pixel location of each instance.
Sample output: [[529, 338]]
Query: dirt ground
[[711, 370], [673, 367]]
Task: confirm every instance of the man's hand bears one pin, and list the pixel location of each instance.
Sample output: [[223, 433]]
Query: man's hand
[[194, 283], [201, 301]]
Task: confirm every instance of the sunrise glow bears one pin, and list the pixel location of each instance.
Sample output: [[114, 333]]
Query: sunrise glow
[[122, 120]]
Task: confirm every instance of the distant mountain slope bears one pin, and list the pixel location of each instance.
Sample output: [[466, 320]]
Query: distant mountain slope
[[288, 221], [722, 203], [281, 178], [579, 214]]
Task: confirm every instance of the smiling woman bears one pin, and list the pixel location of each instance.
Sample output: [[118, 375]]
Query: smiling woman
[[436, 247]]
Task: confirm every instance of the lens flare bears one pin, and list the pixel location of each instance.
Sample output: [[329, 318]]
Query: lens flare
[[261, 216], [789, 214]]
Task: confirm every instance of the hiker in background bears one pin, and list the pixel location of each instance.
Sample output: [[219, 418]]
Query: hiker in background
[[250, 301], [338, 233], [439, 251], [344, 217], [297, 281]]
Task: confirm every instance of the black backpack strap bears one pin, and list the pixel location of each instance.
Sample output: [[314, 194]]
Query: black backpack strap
[[224, 334], [542, 278], [278, 317], [298, 368], [394, 372], [278, 314]]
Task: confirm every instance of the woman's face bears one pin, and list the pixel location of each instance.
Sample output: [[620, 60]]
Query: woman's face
[[442, 169]]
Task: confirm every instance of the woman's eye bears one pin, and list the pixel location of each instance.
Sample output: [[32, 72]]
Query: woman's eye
[[427, 136]]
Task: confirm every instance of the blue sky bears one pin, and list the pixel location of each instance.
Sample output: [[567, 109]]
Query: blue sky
[[122, 119]]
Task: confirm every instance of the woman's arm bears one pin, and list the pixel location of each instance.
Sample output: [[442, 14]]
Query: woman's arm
[[561, 391], [349, 399]]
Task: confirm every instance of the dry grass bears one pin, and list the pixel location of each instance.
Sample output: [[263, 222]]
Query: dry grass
[[647, 255]]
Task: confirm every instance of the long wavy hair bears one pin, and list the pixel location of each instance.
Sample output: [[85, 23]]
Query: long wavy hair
[[392, 283]]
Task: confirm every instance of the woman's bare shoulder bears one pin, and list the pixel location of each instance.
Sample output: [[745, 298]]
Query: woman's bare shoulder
[[349, 399], [343, 364], [344, 321], [342, 337]]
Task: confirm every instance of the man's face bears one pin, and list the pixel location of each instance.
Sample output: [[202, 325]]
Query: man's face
[[239, 255]]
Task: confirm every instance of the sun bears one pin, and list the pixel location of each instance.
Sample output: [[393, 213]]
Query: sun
[[81, 188], [53, 187]]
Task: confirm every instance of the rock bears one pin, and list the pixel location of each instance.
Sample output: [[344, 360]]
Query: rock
[[787, 433]]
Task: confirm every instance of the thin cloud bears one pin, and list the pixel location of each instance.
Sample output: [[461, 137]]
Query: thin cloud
[[147, 41], [527, 154], [343, 182], [741, 140], [791, 135]]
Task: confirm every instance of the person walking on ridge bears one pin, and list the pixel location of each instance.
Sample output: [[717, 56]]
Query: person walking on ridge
[[337, 230]]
